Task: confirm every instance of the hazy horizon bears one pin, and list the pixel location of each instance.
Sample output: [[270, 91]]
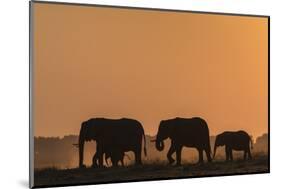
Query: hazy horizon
[[61, 153], [149, 135], [148, 65]]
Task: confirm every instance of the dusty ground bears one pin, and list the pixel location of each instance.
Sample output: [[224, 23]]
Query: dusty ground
[[151, 171]]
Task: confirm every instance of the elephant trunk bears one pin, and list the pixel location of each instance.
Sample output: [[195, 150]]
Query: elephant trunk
[[81, 148], [159, 145]]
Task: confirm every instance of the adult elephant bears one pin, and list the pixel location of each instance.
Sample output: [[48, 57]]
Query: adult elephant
[[124, 134], [189, 132], [234, 140]]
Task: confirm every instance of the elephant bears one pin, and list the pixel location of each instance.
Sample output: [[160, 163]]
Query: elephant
[[188, 132], [116, 157], [112, 151], [114, 154], [125, 134], [234, 140]]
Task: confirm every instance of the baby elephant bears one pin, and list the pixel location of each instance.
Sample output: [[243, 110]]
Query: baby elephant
[[239, 140], [116, 157]]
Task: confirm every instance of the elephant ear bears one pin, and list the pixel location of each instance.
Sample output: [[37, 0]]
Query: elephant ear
[[171, 130]]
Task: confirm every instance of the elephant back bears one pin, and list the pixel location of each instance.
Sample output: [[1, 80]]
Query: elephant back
[[190, 131]]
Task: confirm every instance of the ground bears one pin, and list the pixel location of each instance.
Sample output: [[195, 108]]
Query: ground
[[149, 171]]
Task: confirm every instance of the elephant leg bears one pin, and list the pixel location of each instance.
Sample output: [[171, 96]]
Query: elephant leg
[[200, 152], [99, 156], [226, 153], [208, 154], [138, 156], [230, 155], [100, 160], [114, 162], [170, 152], [94, 160], [178, 153], [249, 153], [245, 154]]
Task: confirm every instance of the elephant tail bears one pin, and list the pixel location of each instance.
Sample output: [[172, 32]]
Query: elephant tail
[[209, 147], [144, 148], [251, 142], [208, 142]]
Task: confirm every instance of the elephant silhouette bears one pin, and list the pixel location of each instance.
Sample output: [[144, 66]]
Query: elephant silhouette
[[234, 140], [116, 157], [112, 152], [188, 132], [125, 134]]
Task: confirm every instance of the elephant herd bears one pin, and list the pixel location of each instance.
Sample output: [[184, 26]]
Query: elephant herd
[[114, 137]]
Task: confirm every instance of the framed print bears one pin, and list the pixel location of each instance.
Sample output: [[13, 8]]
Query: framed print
[[121, 94]]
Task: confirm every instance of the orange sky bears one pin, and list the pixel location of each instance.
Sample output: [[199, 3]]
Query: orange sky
[[148, 65]]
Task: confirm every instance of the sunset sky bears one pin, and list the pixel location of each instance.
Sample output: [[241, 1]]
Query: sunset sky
[[148, 65]]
